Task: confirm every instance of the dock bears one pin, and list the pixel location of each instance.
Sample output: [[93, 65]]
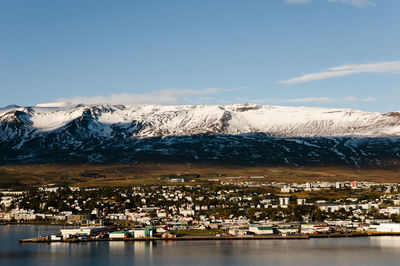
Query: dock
[[184, 238]]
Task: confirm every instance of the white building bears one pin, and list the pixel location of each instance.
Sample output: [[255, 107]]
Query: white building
[[6, 201], [390, 210], [301, 201], [287, 230], [388, 228], [67, 233], [283, 201], [23, 214], [237, 232], [313, 228], [141, 232], [118, 235], [261, 230], [339, 185]]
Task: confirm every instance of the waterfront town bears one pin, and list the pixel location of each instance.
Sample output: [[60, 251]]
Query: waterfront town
[[225, 207]]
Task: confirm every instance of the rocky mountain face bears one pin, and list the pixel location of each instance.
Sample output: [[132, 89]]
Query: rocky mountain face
[[240, 134]]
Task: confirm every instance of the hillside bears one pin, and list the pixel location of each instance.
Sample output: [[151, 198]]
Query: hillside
[[240, 134]]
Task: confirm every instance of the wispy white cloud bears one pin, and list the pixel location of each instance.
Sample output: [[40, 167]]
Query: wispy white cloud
[[369, 99], [347, 99], [350, 99], [345, 70], [357, 3], [311, 100], [163, 97]]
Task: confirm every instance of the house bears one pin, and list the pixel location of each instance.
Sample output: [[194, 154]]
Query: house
[[288, 230], [301, 201], [119, 235], [77, 218], [262, 230], [390, 210], [177, 180], [186, 212], [117, 216], [314, 228], [330, 207], [12, 193], [284, 201], [237, 232], [5, 216], [68, 233], [388, 227], [55, 237], [142, 232], [339, 185], [25, 215], [6, 201]]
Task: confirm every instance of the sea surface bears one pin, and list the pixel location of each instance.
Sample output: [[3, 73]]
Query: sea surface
[[329, 251]]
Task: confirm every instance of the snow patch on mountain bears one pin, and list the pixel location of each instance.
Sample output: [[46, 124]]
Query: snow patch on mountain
[[157, 120]]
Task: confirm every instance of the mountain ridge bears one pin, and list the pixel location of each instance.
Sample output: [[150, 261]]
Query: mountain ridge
[[237, 133], [228, 119]]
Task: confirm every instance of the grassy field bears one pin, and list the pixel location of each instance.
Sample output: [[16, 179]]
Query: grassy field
[[152, 173]]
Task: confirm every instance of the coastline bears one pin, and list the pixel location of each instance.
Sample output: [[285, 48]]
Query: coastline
[[213, 238], [34, 223], [184, 238]]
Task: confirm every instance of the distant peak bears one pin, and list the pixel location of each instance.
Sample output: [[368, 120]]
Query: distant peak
[[11, 106]]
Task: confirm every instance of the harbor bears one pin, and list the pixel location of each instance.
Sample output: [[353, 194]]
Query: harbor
[[185, 238], [101, 235]]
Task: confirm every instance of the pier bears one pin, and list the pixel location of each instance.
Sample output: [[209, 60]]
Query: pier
[[185, 238]]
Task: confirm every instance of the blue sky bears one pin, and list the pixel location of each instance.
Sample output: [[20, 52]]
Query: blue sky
[[329, 53]]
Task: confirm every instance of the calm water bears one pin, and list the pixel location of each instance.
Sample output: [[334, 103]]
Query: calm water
[[341, 251]]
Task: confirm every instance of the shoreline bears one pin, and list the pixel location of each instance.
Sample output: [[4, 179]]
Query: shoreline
[[35, 223], [184, 238], [211, 238]]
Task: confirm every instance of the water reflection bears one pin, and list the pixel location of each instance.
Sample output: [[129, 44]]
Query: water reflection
[[117, 248], [339, 251], [143, 249], [55, 248], [391, 242]]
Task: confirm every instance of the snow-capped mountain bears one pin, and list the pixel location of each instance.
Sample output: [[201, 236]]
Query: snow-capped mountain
[[244, 133]]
